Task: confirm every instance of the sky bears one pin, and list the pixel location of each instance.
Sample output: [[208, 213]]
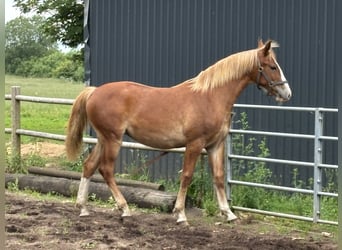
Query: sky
[[13, 12], [10, 11]]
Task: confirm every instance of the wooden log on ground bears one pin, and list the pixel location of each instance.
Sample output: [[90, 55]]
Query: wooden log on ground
[[96, 178], [142, 197]]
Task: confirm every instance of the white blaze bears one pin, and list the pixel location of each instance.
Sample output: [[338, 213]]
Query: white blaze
[[283, 90]]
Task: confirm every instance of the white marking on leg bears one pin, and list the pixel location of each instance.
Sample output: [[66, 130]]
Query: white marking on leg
[[126, 212], [224, 206], [181, 217], [179, 207], [230, 215], [82, 196]]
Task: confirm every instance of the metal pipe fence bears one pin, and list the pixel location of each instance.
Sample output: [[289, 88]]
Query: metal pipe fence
[[317, 165]]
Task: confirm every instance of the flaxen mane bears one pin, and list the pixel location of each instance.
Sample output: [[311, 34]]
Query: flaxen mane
[[228, 69]]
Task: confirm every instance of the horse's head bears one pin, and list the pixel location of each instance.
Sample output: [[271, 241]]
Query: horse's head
[[269, 76]]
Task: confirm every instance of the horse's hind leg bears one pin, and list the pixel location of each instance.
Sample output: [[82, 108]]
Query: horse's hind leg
[[106, 169], [215, 156], [89, 167]]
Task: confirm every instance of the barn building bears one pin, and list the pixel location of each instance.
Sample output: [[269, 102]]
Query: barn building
[[163, 43]]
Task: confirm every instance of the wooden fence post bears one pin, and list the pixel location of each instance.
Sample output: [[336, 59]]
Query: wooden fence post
[[15, 113]]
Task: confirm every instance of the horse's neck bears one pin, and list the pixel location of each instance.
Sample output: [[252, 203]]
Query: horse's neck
[[224, 96], [227, 94]]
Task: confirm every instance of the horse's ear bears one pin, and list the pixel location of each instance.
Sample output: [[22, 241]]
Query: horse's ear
[[260, 43], [267, 47]]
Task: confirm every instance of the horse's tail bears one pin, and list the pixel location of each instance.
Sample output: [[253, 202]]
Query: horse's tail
[[76, 124]]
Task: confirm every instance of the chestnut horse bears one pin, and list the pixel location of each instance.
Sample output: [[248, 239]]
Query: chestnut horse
[[194, 114]]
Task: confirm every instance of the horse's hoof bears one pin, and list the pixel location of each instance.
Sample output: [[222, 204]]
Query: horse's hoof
[[236, 221], [127, 219], [84, 212], [232, 217], [229, 215], [182, 223], [126, 213], [233, 220]]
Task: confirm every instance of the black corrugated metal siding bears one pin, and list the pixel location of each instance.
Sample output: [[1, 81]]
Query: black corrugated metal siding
[[162, 43]]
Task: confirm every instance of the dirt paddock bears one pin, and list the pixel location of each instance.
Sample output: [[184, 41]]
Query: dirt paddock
[[33, 223]]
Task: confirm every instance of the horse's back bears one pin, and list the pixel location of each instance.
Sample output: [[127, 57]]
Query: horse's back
[[132, 94], [153, 116]]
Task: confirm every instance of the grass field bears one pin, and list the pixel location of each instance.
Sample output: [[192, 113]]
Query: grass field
[[50, 118]]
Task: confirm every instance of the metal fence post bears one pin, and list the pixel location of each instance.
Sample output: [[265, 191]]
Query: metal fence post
[[15, 113], [317, 161]]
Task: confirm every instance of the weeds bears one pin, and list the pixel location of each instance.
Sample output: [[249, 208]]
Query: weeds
[[210, 206], [18, 164], [76, 166], [13, 186], [250, 171], [138, 169]]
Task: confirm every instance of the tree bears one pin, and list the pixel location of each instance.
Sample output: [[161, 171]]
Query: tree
[[64, 18], [25, 40]]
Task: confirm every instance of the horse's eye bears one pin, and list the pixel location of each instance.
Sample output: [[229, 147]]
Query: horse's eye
[[273, 68]]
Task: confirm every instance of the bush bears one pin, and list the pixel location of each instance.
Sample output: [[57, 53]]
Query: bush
[[54, 65], [70, 70]]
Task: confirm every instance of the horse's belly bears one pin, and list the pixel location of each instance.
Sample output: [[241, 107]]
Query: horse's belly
[[157, 138]]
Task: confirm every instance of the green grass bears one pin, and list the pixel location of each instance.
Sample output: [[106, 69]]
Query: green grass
[[45, 87], [51, 118]]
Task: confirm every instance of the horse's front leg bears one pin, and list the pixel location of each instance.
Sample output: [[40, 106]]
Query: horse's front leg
[[215, 156], [191, 155]]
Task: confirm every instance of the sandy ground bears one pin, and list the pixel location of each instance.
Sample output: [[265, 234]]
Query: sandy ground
[[33, 223]]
